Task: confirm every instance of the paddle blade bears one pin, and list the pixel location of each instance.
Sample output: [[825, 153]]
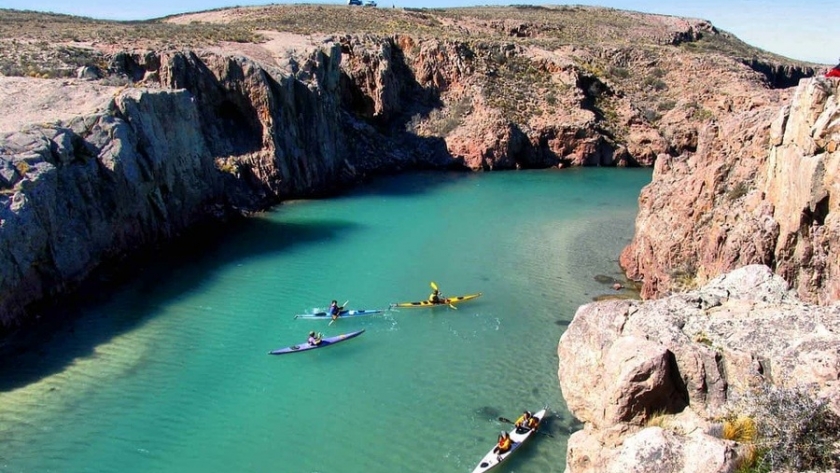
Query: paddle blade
[[434, 286], [504, 419]]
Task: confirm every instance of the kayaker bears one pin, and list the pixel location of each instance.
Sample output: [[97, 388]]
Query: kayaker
[[334, 310], [504, 444], [526, 421], [435, 297], [314, 339]]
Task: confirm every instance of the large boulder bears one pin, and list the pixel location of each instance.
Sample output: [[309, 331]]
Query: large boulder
[[650, 449], [689, 356]]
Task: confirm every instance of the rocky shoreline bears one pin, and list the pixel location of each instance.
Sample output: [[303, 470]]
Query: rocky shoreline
[[735, 248], [654, 382]]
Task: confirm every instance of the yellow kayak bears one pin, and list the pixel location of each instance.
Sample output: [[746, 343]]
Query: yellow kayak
[[447, 301]]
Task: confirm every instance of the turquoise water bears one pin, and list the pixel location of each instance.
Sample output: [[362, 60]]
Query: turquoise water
[[171, 374]]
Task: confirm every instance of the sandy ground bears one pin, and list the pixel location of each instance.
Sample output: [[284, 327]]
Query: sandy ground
[[277, 50], [25, 100]]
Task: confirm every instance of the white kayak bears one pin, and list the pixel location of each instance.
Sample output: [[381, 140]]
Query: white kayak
[[492, 459]]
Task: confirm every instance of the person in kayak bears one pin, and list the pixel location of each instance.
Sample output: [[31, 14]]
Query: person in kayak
[[435, 297], [334, 310], [526, 421], [504, 444], [314, 339]]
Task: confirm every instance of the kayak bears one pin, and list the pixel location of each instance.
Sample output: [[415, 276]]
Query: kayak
[[342, 314], [447, 301], [518, 437], [325, 342]]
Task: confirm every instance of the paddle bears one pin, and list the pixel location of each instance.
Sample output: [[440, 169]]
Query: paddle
[[435, 287], [503, 419], [340, 308]]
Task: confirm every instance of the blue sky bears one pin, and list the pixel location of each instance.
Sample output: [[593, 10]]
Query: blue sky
[[809, 31]]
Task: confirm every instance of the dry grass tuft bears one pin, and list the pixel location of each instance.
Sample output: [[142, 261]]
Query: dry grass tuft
[[741, 429], [659, 419]]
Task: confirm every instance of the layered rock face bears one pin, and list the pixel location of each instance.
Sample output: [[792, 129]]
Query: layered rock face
[[622, 363], [752, 193], [97, 186], [211, 136], [239, 127]]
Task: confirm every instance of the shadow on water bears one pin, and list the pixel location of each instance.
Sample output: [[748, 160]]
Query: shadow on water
[[42, 349], [488, 412]]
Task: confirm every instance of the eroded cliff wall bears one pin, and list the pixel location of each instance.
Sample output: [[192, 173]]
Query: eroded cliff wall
[[97, 187], [761, 188], [205, 138], [198, 134]]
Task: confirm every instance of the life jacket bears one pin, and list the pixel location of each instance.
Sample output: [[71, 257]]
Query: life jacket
[[504, 443], [533, 422], [521, 421]]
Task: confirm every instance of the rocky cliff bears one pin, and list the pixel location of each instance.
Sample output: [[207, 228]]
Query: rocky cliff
[[737, 374], [214, 128], [762, 188], [206, 136], [722, 370]]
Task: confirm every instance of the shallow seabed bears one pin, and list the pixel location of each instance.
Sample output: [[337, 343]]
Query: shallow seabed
[[171, 374]]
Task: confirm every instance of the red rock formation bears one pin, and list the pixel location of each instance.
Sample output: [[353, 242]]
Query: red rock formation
[[751, 193]]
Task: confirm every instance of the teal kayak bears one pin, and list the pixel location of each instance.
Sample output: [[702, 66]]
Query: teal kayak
[[342, 314]]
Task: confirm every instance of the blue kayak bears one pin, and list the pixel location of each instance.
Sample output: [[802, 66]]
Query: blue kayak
[[325, 342], [343, 313]]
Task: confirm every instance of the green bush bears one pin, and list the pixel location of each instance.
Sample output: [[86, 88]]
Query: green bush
[[666, 105], [619, 72]]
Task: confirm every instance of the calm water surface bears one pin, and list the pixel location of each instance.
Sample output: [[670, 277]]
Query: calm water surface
[[172, 373]]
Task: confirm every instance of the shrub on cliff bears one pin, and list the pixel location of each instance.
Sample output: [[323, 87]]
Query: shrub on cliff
[[795, 430]]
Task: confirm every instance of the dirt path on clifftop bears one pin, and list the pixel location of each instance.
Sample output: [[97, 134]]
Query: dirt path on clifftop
[[25, 100]]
